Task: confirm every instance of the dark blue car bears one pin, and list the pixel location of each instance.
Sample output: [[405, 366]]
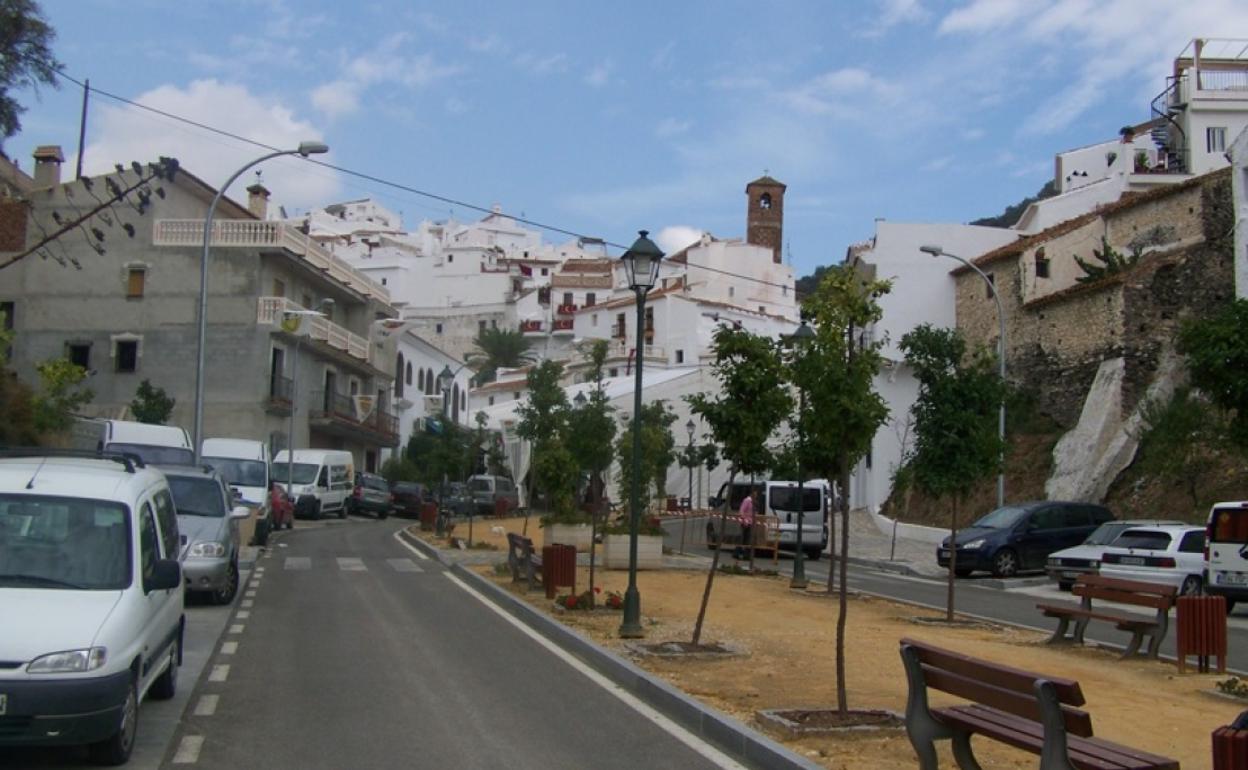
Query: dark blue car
[[1021, 536]]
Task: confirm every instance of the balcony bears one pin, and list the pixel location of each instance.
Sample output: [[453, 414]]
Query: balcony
[[566, 309], [255, 234], [278, 401], [563, 327], [271, 311], [338, 415], [531, 328]]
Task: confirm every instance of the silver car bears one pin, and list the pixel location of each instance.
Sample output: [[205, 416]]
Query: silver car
[[1067, 565], [208, 521]]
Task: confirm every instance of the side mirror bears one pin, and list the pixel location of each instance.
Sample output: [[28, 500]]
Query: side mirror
[[240, 512], [166, 576]]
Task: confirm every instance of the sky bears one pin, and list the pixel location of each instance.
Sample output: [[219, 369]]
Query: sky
[[603, 119]]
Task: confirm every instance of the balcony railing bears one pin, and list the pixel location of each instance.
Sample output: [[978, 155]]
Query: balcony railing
[[563, 326], [566, 309], [337, 411], [280, 388], [271, 311], [249, 233], [530, 327]]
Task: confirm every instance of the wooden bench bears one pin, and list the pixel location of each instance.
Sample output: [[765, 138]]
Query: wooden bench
[[525, 563], [1029, 711], [1153, 595]]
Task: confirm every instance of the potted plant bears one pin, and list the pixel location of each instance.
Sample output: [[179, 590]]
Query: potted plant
[[566, 525], [649, 544], [1141, 161]]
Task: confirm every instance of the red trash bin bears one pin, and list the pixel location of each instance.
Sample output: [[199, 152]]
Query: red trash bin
[[1201, 631], [502, 506], [1230, 745], [558, 567], [428, 516]]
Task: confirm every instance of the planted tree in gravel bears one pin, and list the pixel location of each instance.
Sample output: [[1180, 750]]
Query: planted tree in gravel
[[543, 422], [590, 433], [750, 404], [836, 369], [956, 440]]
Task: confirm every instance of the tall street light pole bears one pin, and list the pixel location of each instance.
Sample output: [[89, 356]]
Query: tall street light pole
[[641, 262], [326, 305], [684, 522], [799, 338], [304, 149], [937, 251]]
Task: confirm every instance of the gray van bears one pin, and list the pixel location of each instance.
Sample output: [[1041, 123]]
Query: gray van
[[487, 490]]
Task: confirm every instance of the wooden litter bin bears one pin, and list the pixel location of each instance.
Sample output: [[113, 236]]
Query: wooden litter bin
[[558, 567], [1201, 631]]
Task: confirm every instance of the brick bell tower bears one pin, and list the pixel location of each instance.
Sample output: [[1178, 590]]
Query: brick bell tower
[[764, 216]]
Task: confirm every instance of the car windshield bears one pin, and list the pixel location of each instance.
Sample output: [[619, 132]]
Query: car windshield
[[197, 496], [156, 455], [239, 473], [479, 485], [376, 482], [1106, 533], [785, 498], [1150, 539], [1002, 518], [407, 488], [304, 473], [64, 543]]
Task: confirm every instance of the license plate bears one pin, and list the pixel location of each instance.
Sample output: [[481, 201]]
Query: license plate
[[1071, 575], [944, 554], [4, 704], [1133, 560], [1223, 578]]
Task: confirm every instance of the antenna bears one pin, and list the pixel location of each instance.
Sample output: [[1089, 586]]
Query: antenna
[[31, 484]]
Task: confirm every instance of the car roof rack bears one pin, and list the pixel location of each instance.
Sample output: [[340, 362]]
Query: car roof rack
[[128, 459]]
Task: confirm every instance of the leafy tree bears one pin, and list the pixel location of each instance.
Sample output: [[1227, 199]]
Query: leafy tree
[[658, 449], [399, 468], [26, 59], [1014, 212], [151, 404], [1112, 261], [440, 456], [956, 440], [1180, 442], [742, 417], [501, 349], [543, 422], [1216, 349], [835, 370], [59, 395]]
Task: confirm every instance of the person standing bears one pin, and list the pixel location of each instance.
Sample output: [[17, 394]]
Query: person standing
[[746, 514]]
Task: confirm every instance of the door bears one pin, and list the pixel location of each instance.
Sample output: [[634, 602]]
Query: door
[[161, 609], [339, 485], [1038, 536]]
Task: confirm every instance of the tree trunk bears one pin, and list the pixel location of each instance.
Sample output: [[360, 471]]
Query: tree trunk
[[710, 575], [595, 505], [753, 524], [842, 698], [832, 549], [953, 560]]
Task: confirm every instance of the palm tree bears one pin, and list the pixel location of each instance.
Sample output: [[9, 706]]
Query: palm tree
[[501, 348]]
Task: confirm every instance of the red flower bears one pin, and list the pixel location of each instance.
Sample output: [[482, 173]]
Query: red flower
[[571, 602], [597, 589]]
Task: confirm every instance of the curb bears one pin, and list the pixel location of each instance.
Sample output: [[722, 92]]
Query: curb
[[720, 730]]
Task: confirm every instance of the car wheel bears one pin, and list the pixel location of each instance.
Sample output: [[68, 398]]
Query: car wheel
[[166, 685], [383, 515], [963, 572], [1005, 563], [342, 511], [115, 749], [1192, 586], [1064, 585], [1230, 606], [225, 594], [812, 554]]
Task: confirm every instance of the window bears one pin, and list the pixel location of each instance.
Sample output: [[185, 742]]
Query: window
[[491, 401], [148, 543], [408, 374], [762, 308], [680, 356], [732, 291], [545, 271], [567, 298], [126, 355], [1193, 542], [167, 515], [1042, 264], [764, 201], [383, 281], [279, 288], [307, 300], [398, 375], [590, 299], [992, 285], [79, 354], [1215, 139], [493, 323], [480, 326], [429, 382], [613, 372], [7, 309], [437, 329], [135, 277], [450, 258], [593, 319]]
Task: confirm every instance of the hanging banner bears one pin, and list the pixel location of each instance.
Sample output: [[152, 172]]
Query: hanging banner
[[364, 406]]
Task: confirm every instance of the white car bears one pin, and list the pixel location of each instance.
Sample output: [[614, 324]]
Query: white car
[[90, 596], [1173, 554], [1067, 565]]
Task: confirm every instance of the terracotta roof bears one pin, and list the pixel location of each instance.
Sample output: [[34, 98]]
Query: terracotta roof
[[767, 180], [738, 308], [1127, 201], [587, 266], [631, 299]]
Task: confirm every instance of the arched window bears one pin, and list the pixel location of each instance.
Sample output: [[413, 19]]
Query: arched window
[[420, 380], [455, 402], [431, 385], [398, 376], [764, 201], [409, 372]]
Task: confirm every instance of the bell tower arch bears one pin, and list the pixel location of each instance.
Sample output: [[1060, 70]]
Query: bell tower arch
[[765, 215]]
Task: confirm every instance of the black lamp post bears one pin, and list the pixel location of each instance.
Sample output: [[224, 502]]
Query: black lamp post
[[446, 379], [800, 337], [641, 261], [684, 522]]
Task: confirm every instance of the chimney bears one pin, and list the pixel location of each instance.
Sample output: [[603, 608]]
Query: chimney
[[48, 160], [258, 201]]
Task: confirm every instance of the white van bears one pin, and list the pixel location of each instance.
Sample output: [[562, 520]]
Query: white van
[[1226, 553], [91, 597], [321, 479], [245, 465], [155, 444], [779, 499]]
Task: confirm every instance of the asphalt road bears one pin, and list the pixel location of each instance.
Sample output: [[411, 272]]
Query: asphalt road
[[352, 650]]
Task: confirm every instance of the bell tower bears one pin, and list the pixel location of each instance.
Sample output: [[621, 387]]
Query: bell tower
[[764, 216]]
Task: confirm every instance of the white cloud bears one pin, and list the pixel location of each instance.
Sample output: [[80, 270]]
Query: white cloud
[[336, 99], [599, 75], [938, 164], [543, 65], [740, 83], [894, 13], [673, 238], [125, 134], [386, 63], [671, 127], [663, 59], [985, 15], [844, 92]]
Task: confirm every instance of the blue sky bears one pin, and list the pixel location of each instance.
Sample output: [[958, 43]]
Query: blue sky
[[605, 118]]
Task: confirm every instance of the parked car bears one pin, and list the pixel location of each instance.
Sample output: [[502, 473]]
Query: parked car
[[1173, 554], [371, 494], [91, 597], [1226, 567], [208, 516], [1066, 565], [321, 478], [457, 499], [1021, 536], [156, 444], [408, 497], [488, 490]]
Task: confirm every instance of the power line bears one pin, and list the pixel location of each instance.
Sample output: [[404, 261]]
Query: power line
[[397, 185]]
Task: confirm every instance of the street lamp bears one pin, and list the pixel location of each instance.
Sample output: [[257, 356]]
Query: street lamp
[[305, 149], [684, 522], [641, 262], [937, 251], [799, 338], [327, 305]]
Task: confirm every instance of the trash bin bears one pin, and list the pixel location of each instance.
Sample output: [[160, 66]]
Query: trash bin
[[1230, 745], [428, 516], [1201, 631], [261, 537], [502, 506], [558, 567]]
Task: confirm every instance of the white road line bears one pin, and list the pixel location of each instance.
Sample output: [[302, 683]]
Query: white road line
[[206, 706], [403, 565], [676, 731], [219, 673], [237, 628], [351, 564], [229, 648], [246, 603], [242, 614], [188, 750], [250, 594], [398, 536]]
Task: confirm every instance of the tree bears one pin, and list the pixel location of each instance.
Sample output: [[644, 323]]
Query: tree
[[836, 370], [1180, 442], [657, 452], [1216, 350], [151, 404], [501, 349], [59, 395], [1112, 261], [956, 439], [543, 422], [26, 59], [742, 417]]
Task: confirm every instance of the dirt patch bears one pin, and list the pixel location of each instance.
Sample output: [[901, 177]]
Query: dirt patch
[[799, 723], [789, 663]]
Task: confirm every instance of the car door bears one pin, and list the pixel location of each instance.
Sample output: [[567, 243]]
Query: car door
[[161, 609], [1038, 535]]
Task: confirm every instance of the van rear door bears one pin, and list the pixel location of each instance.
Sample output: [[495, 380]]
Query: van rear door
[[1228, 549]]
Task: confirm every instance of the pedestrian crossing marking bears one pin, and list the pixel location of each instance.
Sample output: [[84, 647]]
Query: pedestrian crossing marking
[[351, 564], [346, 564], [403, 565]]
